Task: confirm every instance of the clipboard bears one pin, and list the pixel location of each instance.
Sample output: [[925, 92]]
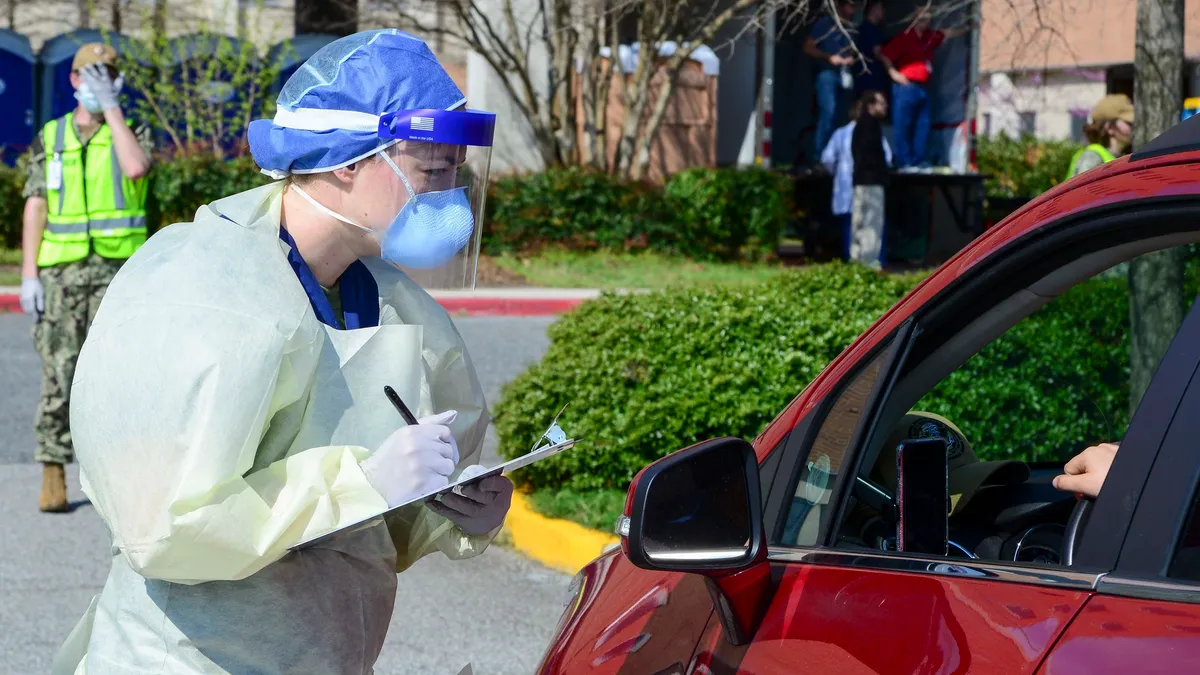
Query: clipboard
[[551, 443]]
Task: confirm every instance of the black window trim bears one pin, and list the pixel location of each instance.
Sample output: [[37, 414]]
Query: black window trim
[[1161, 514]]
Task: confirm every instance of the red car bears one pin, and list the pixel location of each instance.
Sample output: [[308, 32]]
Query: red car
[[804, 553]]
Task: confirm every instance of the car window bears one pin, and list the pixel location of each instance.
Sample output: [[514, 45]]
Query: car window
[[1185, 564], [1012, 414], [822, 469]]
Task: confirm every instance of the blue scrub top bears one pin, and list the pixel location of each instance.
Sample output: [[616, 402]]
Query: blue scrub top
[[829, 38], [360, 292]]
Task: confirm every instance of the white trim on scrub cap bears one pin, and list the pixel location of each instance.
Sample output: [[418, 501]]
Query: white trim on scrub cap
[[317, 119]]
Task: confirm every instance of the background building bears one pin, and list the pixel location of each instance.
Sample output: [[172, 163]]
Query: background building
[[1045, 63]]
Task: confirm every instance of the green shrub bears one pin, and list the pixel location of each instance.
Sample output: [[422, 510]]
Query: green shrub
[[575, 209], [647, 375], [703, 214], [597, 509], [12, 206], [1024, 167], [730, 214], [181, 185]]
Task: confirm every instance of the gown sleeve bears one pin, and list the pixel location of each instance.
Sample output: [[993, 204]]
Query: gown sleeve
[[170, 402]]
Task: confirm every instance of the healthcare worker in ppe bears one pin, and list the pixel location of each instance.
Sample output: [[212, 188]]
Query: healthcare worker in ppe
[[229, 404]]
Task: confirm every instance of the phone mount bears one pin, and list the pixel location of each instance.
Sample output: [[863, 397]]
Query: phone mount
[[923, 496]]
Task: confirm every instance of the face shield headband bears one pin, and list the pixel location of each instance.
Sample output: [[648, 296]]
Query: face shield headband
[[439, 223]]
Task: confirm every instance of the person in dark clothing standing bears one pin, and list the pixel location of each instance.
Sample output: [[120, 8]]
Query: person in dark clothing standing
[[867, 145], [831, 51], [873, 74]]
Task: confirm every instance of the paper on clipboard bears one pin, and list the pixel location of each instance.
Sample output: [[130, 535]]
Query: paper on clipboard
[[552, 442]]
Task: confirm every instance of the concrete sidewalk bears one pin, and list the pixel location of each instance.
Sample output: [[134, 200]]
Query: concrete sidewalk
[[498, 301]]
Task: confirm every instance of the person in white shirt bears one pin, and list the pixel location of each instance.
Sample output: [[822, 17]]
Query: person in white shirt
[[839, 161]]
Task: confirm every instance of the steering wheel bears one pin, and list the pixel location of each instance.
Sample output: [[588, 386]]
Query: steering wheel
[[1075, 524]]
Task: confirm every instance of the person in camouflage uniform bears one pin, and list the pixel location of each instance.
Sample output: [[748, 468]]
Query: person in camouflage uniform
[[85, 193]]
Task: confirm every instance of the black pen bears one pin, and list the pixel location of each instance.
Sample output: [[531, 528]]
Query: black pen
[[400, 407]]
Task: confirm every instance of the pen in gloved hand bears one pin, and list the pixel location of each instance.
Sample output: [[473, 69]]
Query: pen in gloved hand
[[409, 418]]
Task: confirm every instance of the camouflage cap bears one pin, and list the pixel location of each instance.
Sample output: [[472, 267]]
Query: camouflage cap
[[94, 52]]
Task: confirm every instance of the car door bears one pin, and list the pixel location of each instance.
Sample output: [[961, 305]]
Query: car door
[[1149, 605], [859, 611]]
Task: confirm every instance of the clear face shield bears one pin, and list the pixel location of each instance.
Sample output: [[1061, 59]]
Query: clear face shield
[[441, 158]]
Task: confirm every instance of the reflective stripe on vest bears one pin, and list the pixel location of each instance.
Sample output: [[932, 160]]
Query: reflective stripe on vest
[[95, 206], [98, 227]]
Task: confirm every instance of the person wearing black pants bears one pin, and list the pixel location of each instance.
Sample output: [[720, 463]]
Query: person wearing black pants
[[870, 179]]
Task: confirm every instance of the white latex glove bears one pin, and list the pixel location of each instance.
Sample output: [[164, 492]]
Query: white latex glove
[[96, 77], [415, 460], [481, 507], [33, 297]]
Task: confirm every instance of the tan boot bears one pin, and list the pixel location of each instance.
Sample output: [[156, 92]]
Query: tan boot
[[54, 488]]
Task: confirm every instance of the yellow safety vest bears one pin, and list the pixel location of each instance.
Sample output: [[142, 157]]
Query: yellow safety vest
[[1105, 155], [92, 205]]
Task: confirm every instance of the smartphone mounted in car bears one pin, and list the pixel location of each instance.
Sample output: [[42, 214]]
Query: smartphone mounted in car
[[923, 496]]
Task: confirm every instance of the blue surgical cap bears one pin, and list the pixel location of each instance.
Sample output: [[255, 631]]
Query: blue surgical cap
[[355, 78]]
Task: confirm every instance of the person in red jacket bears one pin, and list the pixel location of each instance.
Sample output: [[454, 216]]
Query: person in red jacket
[[908, 58]]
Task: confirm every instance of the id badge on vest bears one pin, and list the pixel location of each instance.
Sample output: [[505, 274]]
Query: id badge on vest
[[54, 174]]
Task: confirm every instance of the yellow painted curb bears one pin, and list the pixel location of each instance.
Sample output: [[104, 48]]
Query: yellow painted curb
[[555, 543]]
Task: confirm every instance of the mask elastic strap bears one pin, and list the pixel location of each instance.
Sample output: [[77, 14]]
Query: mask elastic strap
[[326, 210], [412, 194]]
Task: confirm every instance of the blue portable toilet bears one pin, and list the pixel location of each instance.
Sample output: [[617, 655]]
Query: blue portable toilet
[[56, 95], [16, 95], [289, 55]]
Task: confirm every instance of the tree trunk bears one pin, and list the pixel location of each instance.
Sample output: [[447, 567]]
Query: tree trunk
[[12, 14], [85, 14], [116, 15], [1156, 300], [604, 70], [651, 28], [158, 21], [649, 132], [564, 103]]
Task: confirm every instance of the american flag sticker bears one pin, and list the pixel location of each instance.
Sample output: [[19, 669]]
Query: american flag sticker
[[422, 124]]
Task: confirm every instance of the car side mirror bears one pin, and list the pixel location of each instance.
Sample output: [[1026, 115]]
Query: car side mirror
[[697, 510]]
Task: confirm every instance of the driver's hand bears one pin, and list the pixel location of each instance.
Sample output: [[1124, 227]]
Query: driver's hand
[[1085, 473]]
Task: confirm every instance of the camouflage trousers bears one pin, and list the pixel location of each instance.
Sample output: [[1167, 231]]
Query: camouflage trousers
[[73, 294]]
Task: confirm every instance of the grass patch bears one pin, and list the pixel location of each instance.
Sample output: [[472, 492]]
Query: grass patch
[[610, 271], [597, 509], [10, 266]]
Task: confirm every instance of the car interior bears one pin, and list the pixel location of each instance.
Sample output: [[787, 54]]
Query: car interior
[[1014, 516]]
